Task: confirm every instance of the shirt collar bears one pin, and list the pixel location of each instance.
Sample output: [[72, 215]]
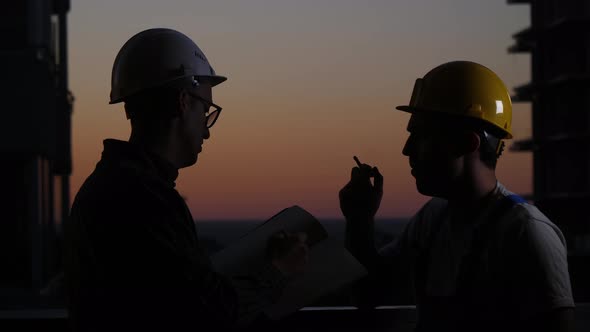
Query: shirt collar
[[131, 155]]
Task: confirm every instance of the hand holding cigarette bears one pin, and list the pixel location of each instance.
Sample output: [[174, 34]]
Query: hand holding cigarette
[[364, 168], [358, 162], [360, 197]]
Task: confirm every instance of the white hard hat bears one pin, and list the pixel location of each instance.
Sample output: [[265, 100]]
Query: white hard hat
[[156, 57]]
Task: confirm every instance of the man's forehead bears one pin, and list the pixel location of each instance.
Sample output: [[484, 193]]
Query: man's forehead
[[204, 90], [421, 122], [433, 123]]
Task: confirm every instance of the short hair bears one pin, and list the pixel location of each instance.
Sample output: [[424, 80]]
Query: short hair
[[490, 140], [490, 136]]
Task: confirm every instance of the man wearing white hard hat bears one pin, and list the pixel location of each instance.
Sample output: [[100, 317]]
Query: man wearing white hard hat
[[133, 257]]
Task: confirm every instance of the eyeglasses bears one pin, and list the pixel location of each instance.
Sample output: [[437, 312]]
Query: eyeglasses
[[211, 115]]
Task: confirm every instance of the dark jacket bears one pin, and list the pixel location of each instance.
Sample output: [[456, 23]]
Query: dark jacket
[[133, 257]]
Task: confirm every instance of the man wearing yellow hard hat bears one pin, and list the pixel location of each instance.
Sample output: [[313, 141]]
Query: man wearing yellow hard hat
[[480, 258]]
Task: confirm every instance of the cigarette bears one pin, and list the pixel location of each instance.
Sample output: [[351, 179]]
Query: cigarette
[[358, 162]]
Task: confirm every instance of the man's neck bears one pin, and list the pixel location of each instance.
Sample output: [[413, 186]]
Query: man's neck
[[156, 148], [470, 197]]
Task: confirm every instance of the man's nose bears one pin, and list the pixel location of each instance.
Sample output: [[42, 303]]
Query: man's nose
[[206, 133], [406, 149]]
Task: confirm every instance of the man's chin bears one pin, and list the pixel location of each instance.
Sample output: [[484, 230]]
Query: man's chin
[[425, 189], [431, 191], [190, 161], [194, 159]]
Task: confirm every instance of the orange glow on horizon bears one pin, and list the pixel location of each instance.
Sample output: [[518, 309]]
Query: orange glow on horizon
[[305, 93]]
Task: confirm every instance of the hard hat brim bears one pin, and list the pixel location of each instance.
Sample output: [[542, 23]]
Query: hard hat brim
[[412, 110], [406, 108], [213, 80]]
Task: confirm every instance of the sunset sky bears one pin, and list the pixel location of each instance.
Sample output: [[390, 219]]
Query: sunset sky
[[311, 83]]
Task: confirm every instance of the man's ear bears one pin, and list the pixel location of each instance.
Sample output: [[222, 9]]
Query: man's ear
[[465, 143], [183, 103], [472, 142]]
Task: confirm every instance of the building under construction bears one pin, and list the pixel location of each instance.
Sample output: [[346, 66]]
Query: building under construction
[[558, 42]]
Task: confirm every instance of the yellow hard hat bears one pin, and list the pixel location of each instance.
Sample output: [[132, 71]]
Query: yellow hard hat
[[464, 88]]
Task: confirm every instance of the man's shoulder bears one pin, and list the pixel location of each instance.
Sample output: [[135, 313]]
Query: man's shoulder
[[111, 190], [110, 182], [536, 226], [528, 221]]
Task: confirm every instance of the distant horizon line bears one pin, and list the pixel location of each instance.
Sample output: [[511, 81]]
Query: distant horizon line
[[197, 220]]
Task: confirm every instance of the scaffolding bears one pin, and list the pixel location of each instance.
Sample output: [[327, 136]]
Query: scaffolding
[[558, 41]]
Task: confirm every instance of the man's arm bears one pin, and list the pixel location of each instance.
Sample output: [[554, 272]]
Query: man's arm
[[542, 282], [359, 201]]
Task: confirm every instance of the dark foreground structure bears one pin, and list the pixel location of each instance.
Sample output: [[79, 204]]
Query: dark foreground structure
[[34, 150]]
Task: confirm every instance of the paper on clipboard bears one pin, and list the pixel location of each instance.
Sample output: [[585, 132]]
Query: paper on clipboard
[[330, 265]]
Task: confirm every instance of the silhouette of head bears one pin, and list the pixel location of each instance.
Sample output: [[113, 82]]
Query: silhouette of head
[[166, 83], [459, 110]]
